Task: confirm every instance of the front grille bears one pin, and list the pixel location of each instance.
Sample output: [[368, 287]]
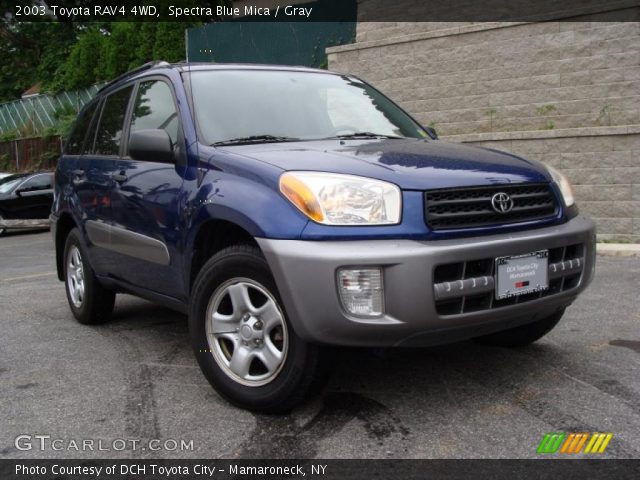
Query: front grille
[[464, 287], [471, 207]]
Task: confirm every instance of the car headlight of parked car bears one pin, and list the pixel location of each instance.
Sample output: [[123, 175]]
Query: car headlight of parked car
[[336, 199], [564, 185]]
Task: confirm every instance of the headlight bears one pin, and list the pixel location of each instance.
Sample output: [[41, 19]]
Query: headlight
[[335, 199], [565, 186]]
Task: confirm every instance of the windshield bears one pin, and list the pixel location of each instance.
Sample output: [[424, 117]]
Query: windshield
[[280, 105], [9, 183]]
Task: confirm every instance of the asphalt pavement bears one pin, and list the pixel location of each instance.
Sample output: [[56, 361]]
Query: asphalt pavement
[[136, 379]]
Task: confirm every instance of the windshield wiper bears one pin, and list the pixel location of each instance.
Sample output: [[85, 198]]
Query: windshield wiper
[[365, 135], [255, 139]]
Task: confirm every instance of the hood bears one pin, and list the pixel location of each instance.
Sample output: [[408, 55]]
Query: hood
[[412, 164]]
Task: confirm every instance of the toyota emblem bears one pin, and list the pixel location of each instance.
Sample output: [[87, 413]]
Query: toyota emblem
[[501, 202]]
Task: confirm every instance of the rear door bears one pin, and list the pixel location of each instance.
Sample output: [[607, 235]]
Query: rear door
[[91, 175], [146, 197]]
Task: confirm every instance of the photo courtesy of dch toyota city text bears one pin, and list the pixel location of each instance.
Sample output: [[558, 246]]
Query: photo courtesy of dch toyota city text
[[333, 239]]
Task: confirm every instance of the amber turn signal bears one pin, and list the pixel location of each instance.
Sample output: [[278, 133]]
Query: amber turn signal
[[301, 196]]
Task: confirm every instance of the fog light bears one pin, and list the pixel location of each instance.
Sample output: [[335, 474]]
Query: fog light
[[361, 291]]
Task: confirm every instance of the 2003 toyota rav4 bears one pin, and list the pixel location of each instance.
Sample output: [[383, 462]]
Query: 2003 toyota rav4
[[288, 209]]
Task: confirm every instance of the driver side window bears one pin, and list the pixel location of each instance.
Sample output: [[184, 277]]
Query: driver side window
[[155, 109]]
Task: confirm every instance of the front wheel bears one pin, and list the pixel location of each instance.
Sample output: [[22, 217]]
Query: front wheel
[[522, 335], [242, 338]]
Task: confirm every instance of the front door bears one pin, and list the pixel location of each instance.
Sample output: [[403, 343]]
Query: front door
[[145, 199]]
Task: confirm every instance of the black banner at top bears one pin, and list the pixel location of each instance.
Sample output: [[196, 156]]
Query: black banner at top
[[323, 10]]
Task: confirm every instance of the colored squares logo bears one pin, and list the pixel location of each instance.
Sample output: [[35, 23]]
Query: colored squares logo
[[573, 443]]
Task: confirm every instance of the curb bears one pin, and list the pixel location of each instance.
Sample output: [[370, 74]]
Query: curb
[[618, 249]]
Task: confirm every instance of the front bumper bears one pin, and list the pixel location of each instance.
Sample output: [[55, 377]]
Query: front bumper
[[305, 273]]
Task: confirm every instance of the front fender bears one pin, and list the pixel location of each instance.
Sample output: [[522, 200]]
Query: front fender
[[254, 206], [250, 204]]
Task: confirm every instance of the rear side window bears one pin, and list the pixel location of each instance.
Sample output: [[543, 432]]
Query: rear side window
[[155, 108], [83, 122], [109, 132]]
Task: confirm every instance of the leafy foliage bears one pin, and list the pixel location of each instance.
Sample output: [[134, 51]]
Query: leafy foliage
[[102, 53], [64, 118], [32, 52], [83, 66], [65, 55]]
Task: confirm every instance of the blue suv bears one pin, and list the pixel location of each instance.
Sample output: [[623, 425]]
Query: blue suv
[[287, 210]]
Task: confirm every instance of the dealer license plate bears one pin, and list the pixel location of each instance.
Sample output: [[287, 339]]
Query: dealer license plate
[[521, 274]]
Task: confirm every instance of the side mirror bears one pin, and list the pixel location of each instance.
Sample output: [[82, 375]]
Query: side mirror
[[432, 132], [153, 145]]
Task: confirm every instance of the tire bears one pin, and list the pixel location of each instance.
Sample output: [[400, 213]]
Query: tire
[[523, 335], [242, 338], [90, 302], [2, 230]]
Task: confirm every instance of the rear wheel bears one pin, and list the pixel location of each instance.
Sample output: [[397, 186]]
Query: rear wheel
[[523, 335], [90, 302], [242, 338], [2, 229]]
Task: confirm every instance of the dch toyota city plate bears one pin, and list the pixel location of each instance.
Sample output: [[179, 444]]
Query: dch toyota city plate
[[521, 274]]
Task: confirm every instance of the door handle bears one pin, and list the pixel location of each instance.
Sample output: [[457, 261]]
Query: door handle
[[119, 177], [78, 177]]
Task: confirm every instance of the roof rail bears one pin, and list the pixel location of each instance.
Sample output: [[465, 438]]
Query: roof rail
[[141, 68]]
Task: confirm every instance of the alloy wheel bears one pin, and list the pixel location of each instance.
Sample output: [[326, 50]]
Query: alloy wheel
[[75, 276], [246, 332]]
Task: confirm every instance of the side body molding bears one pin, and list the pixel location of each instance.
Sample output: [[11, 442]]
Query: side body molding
[[126, 242]]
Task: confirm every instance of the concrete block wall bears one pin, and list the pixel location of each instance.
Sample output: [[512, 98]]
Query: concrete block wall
[[567, 93], [508, 78]]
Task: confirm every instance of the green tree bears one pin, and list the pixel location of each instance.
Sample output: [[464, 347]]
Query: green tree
[[146, 42], [84, 64], [170, 41], [120, 50], [104, 53], [66, 54], [31, 52]]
